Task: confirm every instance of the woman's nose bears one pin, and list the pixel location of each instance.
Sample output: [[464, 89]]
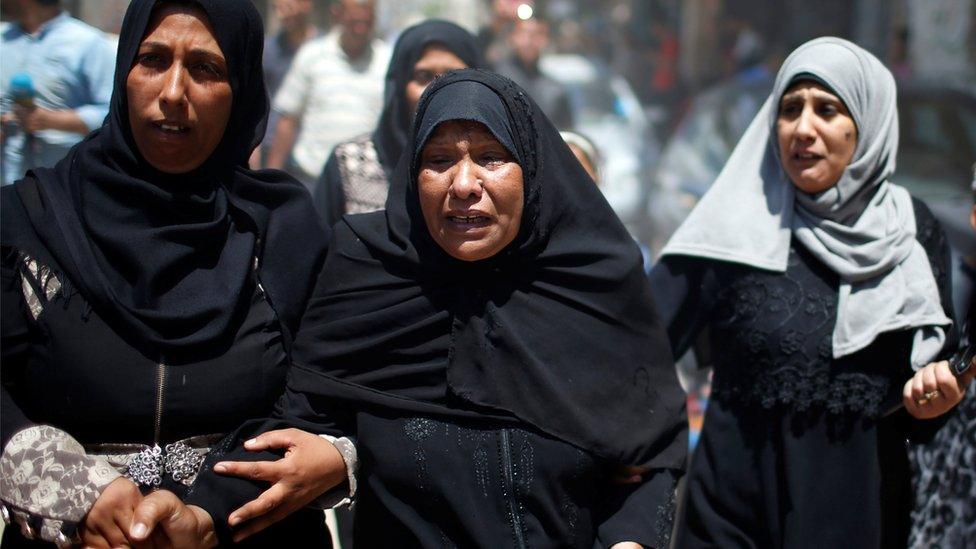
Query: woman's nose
[[805, 125], [466, 183], [174, 87]]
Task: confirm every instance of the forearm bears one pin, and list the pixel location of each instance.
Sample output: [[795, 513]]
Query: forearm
[[285, 135], [48, 481], [66, 120], [312, 473], [219, 495]]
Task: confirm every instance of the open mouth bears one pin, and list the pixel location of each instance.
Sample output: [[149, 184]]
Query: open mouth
[[169, 128], [806, 156], [468, 218], [465, 222]]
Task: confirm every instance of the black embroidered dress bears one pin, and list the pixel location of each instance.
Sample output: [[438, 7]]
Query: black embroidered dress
[[795, 451]]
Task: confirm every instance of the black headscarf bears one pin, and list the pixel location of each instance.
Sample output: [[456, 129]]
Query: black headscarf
[[557, 331], [392, 131], [166, 259]]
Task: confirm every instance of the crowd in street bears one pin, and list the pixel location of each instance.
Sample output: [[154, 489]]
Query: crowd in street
[[250, 278]]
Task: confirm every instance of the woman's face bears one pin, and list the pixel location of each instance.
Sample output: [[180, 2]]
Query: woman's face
[[816, 136], [178, 91], [435, 61], [470, 191]]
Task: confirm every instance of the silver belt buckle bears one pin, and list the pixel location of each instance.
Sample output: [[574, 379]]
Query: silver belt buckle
[[179, 459], [182, 463], [146, 468]]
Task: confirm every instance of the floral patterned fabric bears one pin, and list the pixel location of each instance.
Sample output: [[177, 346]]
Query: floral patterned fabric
[[46, 473], [364, 182], [944, 514]]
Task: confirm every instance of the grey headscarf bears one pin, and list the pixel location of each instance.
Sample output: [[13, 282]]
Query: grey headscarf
[[863, 228]]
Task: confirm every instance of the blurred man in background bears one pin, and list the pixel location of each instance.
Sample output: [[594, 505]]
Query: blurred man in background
[[529, 39], [333, 91], [55, 83], [297, 28]]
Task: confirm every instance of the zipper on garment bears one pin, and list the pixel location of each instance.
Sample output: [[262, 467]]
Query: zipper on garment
[[508, 477], [160, 388]]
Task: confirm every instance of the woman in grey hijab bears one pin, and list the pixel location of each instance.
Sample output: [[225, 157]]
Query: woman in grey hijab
[[822, 287]]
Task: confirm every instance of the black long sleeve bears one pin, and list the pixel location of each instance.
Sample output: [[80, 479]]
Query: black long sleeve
[[329, 198], [14, 346], [643, 513], [685, 290]]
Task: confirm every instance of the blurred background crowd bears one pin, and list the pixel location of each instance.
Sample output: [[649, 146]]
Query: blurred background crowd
[[662, 88]]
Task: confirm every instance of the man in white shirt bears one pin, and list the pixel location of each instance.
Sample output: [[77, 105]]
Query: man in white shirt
[[333, 91]]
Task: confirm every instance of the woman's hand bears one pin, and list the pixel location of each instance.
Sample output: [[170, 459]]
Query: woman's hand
[[107, 522], [310, 467], [162, 520], [934, 390]]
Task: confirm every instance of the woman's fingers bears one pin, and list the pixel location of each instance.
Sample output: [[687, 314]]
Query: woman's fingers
[[933, 391], [90, 538], [102, 525], [947, 382], [115, 535], [155, 507], [254, 470], [259, 524], [276, 508], [929, 383], [280, 438], [267, 502]]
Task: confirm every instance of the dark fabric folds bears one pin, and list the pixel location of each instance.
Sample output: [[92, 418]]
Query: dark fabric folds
[[557, 331], [165, 258], [392, 131]]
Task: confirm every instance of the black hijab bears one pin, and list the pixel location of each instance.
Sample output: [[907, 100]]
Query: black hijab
[[392, 131], [557, 331], [166, 259]]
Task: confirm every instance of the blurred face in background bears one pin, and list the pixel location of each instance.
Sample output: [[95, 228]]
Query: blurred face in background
[[506, 10], [816, 136], [435, 61], [529, 38], [178, 91], [356, 18], [293, 14]]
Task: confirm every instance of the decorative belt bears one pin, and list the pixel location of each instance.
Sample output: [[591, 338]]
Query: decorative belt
[[146, 465]]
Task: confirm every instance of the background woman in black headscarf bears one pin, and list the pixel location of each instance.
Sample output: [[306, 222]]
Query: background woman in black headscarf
[[491, 341], [151, 282], [356, 176]]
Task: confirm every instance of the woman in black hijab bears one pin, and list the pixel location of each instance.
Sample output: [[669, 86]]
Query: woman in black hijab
[[151, 282], [491, 342], [356, 176]]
